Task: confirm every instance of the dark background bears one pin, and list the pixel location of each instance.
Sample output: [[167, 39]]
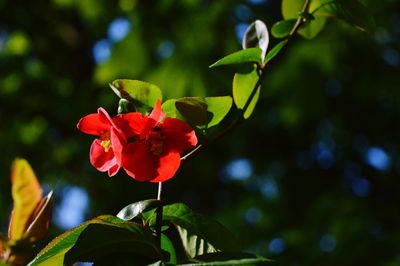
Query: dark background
[[312, 178]]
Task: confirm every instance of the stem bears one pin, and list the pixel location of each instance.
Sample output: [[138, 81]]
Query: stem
[[159, 213]]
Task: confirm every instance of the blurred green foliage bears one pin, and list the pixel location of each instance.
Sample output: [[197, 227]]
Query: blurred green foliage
[[319, 178]]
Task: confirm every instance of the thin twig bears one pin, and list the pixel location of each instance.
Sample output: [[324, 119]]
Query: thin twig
[[159, 214], [300, 21]]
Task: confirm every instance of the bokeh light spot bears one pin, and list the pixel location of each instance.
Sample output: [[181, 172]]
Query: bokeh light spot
[[239, 169], [378, 158], [118, 29], [327, 243], [277, 245], [253, 215], [101, 51], [71, 211]]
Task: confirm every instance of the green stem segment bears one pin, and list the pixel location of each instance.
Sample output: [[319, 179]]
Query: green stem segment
[[159, 213]]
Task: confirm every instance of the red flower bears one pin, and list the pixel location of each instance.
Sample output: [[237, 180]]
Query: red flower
[[148, 148], [153, 152], [105, 152]]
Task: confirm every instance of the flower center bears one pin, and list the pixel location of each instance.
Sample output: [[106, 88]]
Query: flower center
[[106, 141], [155, 141]]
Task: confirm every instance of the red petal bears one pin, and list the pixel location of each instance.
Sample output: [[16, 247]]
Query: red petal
[[100, 159], [131, 123], [153, 119], [169, 164], [93, 124], [139, 162], [179, 135], [117, 141], [113, 170], [157, 114]]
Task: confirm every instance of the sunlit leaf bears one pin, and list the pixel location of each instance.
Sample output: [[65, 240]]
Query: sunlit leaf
[[97, 237], [193, 244], [134, 209], [169, 108], [142, 94], [250, 55], [218, 108], [291, 9], [39, 221], [229, 258], [256, 35], [26, 193], [275, 51], [244, 83], [282, 29], [193, 109]]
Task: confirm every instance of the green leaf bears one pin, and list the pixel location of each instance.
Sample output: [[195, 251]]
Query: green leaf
[[95, 239], [228, 258], [275, 51], [169, 108], [100, 241], [193, 109], [125, 106], [134, 209], [291, 9], [168, 246], [256, 35], [192, 225], [244, 83], [282, 29], [142, 94], [193, 244], [218, 108], [250, 55]]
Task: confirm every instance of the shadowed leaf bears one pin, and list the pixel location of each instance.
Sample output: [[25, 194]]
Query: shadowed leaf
[[282, 29], [40, 219]]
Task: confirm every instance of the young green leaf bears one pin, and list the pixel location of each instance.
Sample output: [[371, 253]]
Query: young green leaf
[[140, 93], [134, 209], [256, 35], [275, 51], [244, 83], [250, 55], [282, 29], [291, 9], [169, 108], [218, 108]]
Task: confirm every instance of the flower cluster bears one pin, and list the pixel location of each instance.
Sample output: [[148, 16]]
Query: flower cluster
[[148, 148]]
